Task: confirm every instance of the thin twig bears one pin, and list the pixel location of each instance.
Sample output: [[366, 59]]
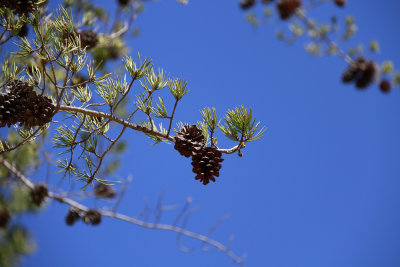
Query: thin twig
[[300, 14], [180, 230]]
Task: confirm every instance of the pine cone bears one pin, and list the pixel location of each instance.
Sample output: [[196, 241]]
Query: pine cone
[[4, 218], [24, 31], [92, 217], [189, 139], [385, 86], [104, 191], [72, 216], [340, 3], [286, 8], [88, 39], [366, 76], [206, 164], [38, 194], [349, 75], [123, 2], [246, 4], [22, 104], [362, 72]]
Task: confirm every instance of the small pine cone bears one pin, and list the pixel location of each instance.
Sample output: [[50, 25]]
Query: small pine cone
[[385, 86], [340, 3], [349, 75], [24, 31], [38, 194], [206, 164], [88, 39], [367, 74], [72, 216], [104, 191], [189, 139], [286, 8], [246, 4], [123, 2], [92, 217], [4, 218]]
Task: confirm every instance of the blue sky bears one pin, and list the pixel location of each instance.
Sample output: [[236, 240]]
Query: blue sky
[[321, 188]]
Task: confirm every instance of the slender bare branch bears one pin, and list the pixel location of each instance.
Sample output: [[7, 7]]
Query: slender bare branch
[[180, 230]]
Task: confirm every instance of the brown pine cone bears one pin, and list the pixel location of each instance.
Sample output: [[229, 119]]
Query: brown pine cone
[[20, 7], [286, 8], [104, 191], [88, 39], [246, 4], [385, 86], [92, 217], [189, 139], [206, 164], [22, 105], [123, 2], [24, 31], [366, 75], [38, 194], [361, 72], [340, 3], [72, 216], [4, 218]]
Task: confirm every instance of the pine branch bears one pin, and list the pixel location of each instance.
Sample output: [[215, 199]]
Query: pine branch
[[133, 126]]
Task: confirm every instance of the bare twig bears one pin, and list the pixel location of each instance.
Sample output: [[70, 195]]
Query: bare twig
[[105, 213], [300, 14]]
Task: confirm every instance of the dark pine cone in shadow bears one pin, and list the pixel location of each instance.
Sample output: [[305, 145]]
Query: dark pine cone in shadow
[[20, 7], [286, 8], [361, 72], [246, 4], [72, 216], [22, 105], [104, 191], [4, 218], [92, 217], [38, 194], [88, 39]]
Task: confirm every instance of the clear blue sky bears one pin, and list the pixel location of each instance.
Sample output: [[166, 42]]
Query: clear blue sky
[[321, 188]]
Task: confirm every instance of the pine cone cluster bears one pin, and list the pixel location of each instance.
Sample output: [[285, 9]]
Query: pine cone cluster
[[38, 194], [361, 72], [4, 218], [72, 216], [286, 8], [189, 139], [22, 105], [206, 164], [104, 191], [88, 39], [246, 4], [92, 217], [20, 7]]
